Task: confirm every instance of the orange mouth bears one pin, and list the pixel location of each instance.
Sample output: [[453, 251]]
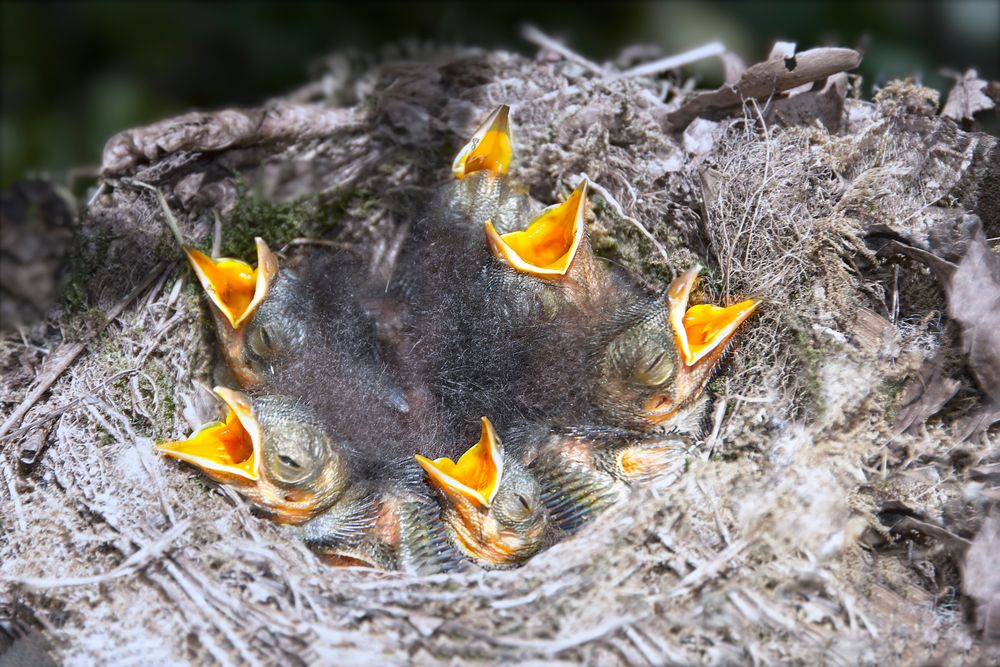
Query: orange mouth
[[702, 329], [551, 242], [223, 449], [490, 148], [476, 475], [236, 288], [700, 336]]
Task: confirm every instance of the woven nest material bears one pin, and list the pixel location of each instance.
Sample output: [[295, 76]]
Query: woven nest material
[[837, 511]]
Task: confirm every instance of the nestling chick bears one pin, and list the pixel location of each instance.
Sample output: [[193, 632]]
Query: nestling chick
[[273, 450], [490, 504], [495, 293], [655, 361], [293, 329]]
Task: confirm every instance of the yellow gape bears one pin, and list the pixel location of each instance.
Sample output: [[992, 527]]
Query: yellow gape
[[549, 245], [236, 288], [478, 472], [490, 148]]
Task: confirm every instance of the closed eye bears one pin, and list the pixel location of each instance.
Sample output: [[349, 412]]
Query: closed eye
[[289, 461]]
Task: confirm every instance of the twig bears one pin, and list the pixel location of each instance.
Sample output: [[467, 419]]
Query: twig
[[551, 646], [211, 613], [167, 213], [63, 409], [719, 524], [536, 36], [613, 203], [686, 58], [14, 498], [764, 80], [67, 354], [705, 571], [216, 231], [718, 415], [648, 652], [135, 562], [672, 62], [173, 593], [340, 245], [158, 336]]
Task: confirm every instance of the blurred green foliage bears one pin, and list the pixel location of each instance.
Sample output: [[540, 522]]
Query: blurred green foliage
[[75, 73]]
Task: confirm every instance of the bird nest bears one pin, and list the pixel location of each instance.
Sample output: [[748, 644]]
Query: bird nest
[[836, 511]]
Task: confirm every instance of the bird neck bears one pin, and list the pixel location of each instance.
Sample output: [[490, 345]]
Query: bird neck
[[477, 533]]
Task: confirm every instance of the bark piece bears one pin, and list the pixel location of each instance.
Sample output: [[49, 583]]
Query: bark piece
[[823, 101], [972, 288], [974, 301], [200, 132], [923, 397], [764, 79]]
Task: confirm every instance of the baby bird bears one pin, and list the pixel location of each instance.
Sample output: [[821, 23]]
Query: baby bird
[[281, 327], [236, 290], [282, 457], [491, 505], [488, 282], [654, 362], [554, 255], [273, 450], [650, 369], [399, 529], [293, 329]]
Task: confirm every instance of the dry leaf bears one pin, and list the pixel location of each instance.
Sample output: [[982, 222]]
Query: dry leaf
[[924, 395], [974, 301], [972, 289], [981, 578], [967, 97]]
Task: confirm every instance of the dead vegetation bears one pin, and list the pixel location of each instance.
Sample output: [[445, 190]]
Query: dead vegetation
[[808, 528]]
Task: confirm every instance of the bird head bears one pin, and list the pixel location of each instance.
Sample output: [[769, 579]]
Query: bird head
[[480, 189], [244, 307], [658, 364], [492, 505], [549, 264], [273, 450]]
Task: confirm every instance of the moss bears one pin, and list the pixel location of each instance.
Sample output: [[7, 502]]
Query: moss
[[83, 265], [278, 223], [809, 355], [626, 244], [891, 391]]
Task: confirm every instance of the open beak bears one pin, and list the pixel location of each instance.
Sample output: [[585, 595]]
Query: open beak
[[703, 329], [224, 450], [236, 288], [701, 334], [477, 474], [551, 242], [489, 149]]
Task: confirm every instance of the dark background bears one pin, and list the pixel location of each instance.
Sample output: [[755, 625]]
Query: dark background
[[75, 73]]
